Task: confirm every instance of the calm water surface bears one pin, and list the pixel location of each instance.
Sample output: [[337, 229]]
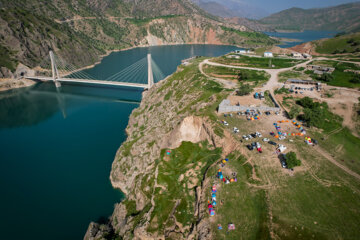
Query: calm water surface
[[305, 36], [56, 150]]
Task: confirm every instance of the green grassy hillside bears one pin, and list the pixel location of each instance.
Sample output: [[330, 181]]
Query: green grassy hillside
[[344, 17], [349, 43]]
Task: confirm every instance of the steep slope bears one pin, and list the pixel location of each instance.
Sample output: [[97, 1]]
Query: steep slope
[[345, 17], [231, 8], [347, 43], [216, 9], [165, 194], [80, 31]]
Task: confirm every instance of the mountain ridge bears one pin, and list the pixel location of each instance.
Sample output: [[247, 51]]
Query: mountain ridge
[[30, 29]]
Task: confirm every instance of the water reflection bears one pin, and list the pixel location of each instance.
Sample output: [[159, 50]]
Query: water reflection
[[30, 106]]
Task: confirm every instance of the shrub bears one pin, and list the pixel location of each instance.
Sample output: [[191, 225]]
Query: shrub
[[326, 77], [243, 76], [281, 90], [244, 89], [355, 79], [294, 111], [291, 160]]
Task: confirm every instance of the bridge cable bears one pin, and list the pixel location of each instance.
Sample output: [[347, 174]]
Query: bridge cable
[[125, 73], [128, 70]]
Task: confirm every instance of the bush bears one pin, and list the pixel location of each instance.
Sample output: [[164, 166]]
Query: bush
[[294, 111], [244, 89], [318, 115], [355, 79], [326, 77], [243, 76], [281, 90], [291, 160]]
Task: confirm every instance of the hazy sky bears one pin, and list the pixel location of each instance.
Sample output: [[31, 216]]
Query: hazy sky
[[272, 6]]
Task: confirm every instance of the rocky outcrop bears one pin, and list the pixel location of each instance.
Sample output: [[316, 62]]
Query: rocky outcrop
[[162, 123]]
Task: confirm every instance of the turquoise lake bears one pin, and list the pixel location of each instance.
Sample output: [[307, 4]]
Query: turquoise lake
[[305, 36], [57, 149]]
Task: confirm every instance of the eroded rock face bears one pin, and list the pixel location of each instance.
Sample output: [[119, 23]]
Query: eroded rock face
[[161, 124]]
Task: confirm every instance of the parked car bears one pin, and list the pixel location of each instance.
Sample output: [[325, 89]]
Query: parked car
[[266, 139], [283, 164], [282, 137], [249, 136], [253, 135], [250, 147], [267, 113], [225, 123], [245, 137], [253, 144], [272, 143], [258, 145], [258, 134], [236, 130]]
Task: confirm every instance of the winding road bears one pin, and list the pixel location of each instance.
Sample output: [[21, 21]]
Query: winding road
[[270, 85]]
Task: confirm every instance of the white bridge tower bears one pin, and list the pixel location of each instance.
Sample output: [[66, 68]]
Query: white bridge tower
[[150, 73], [54, 70]]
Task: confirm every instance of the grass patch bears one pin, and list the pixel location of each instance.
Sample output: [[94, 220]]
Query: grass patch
[[244, 206], [256, 78], [339, 76], [258, 62], [179, 174]]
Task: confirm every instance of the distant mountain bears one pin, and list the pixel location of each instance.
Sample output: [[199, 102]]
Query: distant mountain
[[82, 30], [345, 17], [231, 8], [216, 9]]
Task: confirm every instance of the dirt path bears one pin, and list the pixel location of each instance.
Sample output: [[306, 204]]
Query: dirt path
[[79, 18], [270, 85], [332, 160]]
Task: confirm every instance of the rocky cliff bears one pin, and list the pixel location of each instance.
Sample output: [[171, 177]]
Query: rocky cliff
[[162, 166], [81, 31]]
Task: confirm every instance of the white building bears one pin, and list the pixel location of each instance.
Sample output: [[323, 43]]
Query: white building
[[240, 51], [268, 54], [296, 55]]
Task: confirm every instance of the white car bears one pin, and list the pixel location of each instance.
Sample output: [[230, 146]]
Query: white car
[[249, 136], [225, 123], [258, 134], [245, 137], [266, 140], [282, 137], [236, 130]]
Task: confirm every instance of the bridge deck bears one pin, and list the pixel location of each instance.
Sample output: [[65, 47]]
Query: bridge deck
[[102, 82]]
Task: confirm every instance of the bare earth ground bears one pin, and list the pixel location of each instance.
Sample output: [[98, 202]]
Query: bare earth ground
[[345, 97]]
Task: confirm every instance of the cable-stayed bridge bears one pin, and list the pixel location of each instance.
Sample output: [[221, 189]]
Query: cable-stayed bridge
[[59, 71]]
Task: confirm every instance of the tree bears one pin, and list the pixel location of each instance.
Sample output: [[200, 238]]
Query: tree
[[355, 79], [244, 89], [294, 111], [326, 77], [291, 160], [243, 76]]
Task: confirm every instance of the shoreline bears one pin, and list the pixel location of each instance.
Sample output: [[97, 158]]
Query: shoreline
[[108, 52], [7, 84]]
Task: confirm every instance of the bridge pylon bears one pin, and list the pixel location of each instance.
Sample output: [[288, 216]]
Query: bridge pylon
[[54, 70], [150, 72]]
